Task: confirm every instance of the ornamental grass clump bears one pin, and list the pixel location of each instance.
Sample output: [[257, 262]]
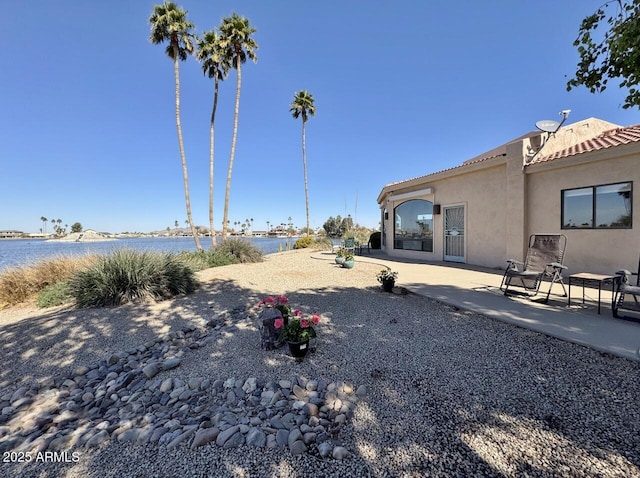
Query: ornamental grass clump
[[240, 249], [131, 276]]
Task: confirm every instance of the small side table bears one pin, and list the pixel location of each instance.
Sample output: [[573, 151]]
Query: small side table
[[587, 278]]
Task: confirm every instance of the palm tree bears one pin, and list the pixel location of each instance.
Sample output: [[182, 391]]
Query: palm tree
[[303, 106], [44, 224], [216, 64], [169, 23], [235, 39]]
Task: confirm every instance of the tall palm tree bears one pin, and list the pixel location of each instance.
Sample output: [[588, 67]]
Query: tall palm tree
[[169, 23], [216, 64], [303, 106], [235, 39], [44, 224]]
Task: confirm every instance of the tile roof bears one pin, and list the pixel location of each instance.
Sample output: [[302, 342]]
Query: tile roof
[[608, 139], [466, 163]]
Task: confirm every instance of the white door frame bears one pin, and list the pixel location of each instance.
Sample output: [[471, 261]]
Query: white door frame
[[455, 241]]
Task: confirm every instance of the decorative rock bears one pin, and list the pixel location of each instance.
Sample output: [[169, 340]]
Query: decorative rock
[[256, 437], [362, 391], [171, 363], [180, 438], [151, 370], [226, 434], [282, 437], [298, 447], [249, 385], [204, 436], [325, 449], [339, 453], [99, 438], [299, 392], [166, 385]]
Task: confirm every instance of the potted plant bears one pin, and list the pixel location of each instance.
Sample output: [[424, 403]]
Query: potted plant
[[387, 278], [272, 309], [297, 332], [340, 256], [349, 260]]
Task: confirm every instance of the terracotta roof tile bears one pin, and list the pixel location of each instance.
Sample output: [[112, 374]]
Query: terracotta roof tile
[[608, 139]]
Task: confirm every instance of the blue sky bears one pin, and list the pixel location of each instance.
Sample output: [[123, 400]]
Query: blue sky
[[402, 89]]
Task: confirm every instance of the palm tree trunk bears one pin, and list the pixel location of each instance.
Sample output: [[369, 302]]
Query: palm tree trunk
[[211, 148], [233, 149], [304, 166], [182, 155]]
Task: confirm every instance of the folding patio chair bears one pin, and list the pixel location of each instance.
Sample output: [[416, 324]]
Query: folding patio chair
[[349, 244], [544, 261], [625, 287]]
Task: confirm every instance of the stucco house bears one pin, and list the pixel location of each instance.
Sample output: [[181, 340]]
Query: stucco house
[[578, 182]]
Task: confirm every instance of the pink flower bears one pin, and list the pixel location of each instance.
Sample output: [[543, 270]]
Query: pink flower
[[278, 323], [282, 299], [304, 323], [315, 318], [259, 304], [297, 313], [269, 301]]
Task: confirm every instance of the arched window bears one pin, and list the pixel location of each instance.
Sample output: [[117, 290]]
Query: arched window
[[413, 226]]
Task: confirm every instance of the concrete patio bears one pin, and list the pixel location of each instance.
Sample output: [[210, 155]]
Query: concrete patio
[[477, 289]]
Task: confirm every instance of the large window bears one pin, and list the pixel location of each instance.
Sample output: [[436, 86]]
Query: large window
[[598, 207], [414, 225]]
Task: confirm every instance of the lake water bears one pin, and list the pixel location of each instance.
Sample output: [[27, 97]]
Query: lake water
[[21, 252]]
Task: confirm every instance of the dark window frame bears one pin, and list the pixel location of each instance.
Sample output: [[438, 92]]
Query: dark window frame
[[426, 242], [594, 206]]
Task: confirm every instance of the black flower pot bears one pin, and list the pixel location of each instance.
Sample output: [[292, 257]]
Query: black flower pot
[[298, 349], [388, 284]]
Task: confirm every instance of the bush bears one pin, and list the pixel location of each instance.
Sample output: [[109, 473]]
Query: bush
[[54, 294], [303, 242], [200, 260], [322, 244], [241, 250], [131, 276], [376, 240]]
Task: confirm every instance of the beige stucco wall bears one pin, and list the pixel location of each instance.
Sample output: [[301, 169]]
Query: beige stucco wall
[[505, 203], [601, 251], [483, 194]]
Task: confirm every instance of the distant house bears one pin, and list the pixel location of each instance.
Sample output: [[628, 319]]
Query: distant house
[[10, 234], [482, 212]]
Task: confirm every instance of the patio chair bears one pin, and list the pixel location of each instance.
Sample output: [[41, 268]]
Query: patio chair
[[350, 245], [624, 288], [544, 261], [363, 247]]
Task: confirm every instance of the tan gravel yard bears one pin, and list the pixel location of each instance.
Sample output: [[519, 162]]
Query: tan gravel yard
[[449, 393]]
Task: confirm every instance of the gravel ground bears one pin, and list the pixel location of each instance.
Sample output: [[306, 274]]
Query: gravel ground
[[450, 392]]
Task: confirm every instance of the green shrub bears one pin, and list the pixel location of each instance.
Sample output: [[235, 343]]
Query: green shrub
[[322, 244], [199, 260], [303, 242], [54, 294], [376, 240], [131, 276], [240, 249]]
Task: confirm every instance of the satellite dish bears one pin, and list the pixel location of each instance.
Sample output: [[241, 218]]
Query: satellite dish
[[548, 126]]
